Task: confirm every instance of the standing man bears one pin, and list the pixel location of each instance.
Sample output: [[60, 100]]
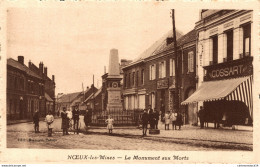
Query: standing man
[[156, 118], [64, 122], [201, 116], [145, 119], [75, 117], [150, 113], [36, 120]]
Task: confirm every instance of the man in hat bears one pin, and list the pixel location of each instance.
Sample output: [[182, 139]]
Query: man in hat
[[75, 117], [64, 121]]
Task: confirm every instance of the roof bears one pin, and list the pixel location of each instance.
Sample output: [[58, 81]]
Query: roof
[[155, 48], [189, 37], [16, 64], [47, 97], [67, 98], [95, 95], [215, 90]]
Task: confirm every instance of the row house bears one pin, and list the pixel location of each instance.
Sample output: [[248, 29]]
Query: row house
[[225, 66], [25, 90], [150, 80], [49, 86]]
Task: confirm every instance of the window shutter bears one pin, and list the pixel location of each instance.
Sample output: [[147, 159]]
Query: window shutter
[[160, 70], [173, 67], [171, 74], [192, 62], [164, 69], [154, 77], [150, 72]]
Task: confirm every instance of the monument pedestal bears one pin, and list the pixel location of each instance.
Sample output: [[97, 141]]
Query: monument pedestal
[[114, 99], [154, 131]]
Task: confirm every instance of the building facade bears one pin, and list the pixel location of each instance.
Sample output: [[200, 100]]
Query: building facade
[[151, 80], [225, 68], [25, 91]]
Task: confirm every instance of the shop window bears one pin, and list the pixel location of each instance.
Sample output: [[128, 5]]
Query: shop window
[[247, 40], [229, 45], [190, 62], [172, 67], [152, 72], [162, 69], [215, 49]]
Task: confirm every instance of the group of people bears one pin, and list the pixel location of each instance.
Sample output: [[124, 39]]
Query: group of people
[[152, 117], [66, 116], [49, 119]]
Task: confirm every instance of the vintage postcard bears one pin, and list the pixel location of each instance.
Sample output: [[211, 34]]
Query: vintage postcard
[[171, 82]]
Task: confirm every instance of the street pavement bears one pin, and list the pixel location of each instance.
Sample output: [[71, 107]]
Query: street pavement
[[189, 138]]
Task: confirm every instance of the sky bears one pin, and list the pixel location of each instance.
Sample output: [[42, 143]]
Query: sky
[[74, 43]]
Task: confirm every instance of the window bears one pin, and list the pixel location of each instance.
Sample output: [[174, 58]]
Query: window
[[133, 78], [162, 69], [152, 72], [172, 67], [125, 83], [129, 80], [229, 45], [142, 76], [190, 62], [215, 49], [247, 40], [137, 75]]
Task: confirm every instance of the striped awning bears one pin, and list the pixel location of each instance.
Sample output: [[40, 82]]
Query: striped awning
[[239, 89]]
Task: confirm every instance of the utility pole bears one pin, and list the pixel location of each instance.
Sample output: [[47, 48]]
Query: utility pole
[[93, 95], [177, 101]]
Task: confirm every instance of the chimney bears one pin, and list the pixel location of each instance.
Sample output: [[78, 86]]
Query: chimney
[[21, 59], [45, 70], [53, 78], [169, 40], [41, 67], [30, 64]]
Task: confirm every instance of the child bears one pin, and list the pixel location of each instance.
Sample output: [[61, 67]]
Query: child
[[167, 120], [109, 122], [49, 120]]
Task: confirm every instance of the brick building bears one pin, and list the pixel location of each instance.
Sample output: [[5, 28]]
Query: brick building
[[25, 91], [150, 79], [225, 68]]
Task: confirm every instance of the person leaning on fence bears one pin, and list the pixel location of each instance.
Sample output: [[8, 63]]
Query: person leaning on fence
[[36, 120], [110, 122], [167, 120], [64, 122], [75, 117], [145, 120], [49, 121]]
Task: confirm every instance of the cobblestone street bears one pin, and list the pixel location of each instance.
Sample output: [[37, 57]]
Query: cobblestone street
[[129, 138]]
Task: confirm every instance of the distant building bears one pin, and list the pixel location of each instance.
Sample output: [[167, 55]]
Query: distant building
[[26, 91], [70, 100]]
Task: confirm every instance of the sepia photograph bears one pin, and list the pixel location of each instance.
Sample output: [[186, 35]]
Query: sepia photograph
[[128, 76]]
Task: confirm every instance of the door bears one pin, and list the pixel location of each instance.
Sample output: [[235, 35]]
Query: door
[[192, 110]]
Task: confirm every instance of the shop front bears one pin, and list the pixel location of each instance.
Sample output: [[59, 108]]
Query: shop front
[[226, 93]]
